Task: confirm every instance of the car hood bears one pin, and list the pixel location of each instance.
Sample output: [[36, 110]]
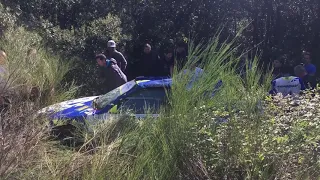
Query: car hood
[[76, 108]]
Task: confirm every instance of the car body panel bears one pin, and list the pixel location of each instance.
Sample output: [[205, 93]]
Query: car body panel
[[70, 109], [86, 108], [82, 108]]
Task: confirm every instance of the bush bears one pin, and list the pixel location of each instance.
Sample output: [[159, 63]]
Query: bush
[[81, 45], [7, 19]]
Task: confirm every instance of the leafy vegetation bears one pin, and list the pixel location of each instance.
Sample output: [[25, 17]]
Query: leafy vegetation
[[240, 133], [277, 28], [29, 66]]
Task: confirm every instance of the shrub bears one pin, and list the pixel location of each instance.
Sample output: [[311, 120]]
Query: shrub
[[84, 41], [20, 138], [81, 45], [7, 19]]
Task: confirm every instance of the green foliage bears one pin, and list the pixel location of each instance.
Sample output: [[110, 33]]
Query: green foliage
[[240, 133], [30, 65], [85, 40], [33, 79], [281, 143], [81, 45], [7, 19], [263, 138], [277, 27]]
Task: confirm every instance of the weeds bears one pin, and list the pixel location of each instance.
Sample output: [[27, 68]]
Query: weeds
[[239, 133], [30, 67], [32, 80]]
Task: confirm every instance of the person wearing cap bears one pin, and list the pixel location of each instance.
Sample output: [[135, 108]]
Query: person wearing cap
[[118, 56], [110, 73]]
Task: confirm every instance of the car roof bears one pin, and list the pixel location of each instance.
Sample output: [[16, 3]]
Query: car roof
[[154, 82]]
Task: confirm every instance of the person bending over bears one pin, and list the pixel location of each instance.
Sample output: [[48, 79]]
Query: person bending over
[[110, 73]]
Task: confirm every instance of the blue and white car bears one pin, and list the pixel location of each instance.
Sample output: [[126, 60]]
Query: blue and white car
[[139, 96]]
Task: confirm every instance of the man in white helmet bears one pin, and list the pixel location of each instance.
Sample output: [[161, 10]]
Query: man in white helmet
[[118, 56]]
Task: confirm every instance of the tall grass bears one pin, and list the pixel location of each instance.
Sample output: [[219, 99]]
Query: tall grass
[[240, 133], [165, 148], [169, 147], [32, 80], [30, 65]]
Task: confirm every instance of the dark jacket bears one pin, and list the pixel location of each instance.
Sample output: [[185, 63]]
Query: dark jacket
[[164, 66], [148, 64], [121, 60], [309, 81], [111, 76]]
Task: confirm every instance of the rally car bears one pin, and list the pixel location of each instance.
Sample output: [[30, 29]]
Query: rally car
[[137, 96], [140, 96]]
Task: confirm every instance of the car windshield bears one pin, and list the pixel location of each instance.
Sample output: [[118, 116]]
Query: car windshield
[[145, 100], [106, 99]]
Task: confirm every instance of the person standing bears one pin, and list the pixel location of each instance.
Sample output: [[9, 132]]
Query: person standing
[[118, 56], [310, 68], [148, 62], [110, 74], [166, 63]]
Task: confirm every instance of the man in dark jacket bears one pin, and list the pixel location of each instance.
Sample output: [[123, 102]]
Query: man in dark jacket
[[110, 73], [118, 56], [165, 67], [148, 62]]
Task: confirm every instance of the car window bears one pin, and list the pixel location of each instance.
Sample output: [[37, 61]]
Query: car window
[[145, 100], [103, 100]]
